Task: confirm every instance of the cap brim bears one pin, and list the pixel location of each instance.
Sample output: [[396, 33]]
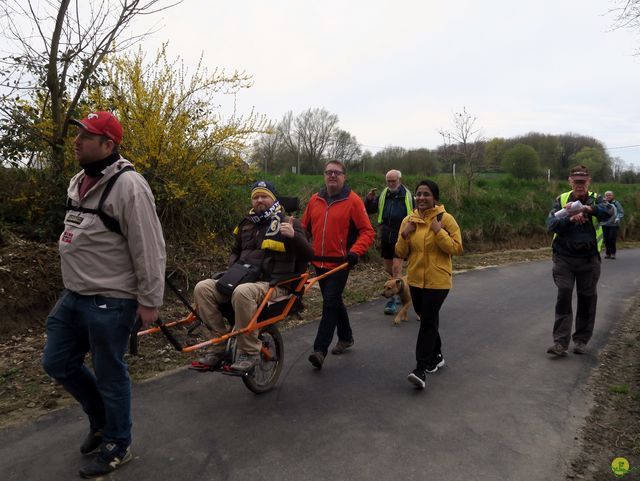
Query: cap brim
[[78, 123]]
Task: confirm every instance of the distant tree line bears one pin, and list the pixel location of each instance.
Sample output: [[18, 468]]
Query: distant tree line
[[304, 142]]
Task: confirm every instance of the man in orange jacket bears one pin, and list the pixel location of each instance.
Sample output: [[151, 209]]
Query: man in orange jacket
[[338, 222]]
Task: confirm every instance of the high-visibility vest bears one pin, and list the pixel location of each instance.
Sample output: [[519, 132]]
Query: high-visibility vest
[[594, 220], [408, 202]]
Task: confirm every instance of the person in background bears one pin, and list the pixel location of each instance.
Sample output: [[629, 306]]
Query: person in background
[[112, 254], [338, 222], [611, 227], [392, 206], [574, 221], [429, 236]]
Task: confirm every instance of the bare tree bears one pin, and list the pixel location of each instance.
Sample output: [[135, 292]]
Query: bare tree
[[267, 148], [345, 148], [316, 130], [464, 142], [627, 13], [58, 48], [309, 136]]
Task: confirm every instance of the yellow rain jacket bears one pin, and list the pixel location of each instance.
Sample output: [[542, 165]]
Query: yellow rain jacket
[[429, 254]]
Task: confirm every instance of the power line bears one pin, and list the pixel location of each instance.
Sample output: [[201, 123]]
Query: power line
[[623, 147]]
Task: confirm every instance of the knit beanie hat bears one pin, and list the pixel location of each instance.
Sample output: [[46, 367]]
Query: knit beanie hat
[[264, 187]]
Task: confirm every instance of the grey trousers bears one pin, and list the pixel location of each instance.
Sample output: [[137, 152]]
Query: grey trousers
[[584, 272]]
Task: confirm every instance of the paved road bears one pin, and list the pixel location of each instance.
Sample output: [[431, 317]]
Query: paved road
[[501, 409]]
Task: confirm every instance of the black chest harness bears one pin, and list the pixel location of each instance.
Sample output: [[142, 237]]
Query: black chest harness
[[109, 222]]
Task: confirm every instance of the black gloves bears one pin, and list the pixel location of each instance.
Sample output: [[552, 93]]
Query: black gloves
[[352, 259]]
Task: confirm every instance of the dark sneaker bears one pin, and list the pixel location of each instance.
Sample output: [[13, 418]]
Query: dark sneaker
[[245, 362], [613, 256], [439, 363], [418, 378], [91, 442], [316, 358], [212, 359], [341, 346], [110, 458], [580, 348], [391, 307], [557, 350]]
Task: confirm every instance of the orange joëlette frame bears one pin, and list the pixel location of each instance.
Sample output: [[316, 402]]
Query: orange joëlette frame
[[303, 284]]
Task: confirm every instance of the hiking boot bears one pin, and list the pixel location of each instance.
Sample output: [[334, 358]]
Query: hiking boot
[[418, 378], [438, 364], [245, 362], [557, 350], [91, 442], [110, 458], [341, 346], [316, 358], [391, 307], [580, 347]]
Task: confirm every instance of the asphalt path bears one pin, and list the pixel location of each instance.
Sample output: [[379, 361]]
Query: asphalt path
[[501, 409]]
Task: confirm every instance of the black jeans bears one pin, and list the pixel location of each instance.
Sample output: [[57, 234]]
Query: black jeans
[[610, 233], [334, 313], [427, 303]]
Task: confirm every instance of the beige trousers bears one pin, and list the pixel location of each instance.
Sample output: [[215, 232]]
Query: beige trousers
[[245, 301]]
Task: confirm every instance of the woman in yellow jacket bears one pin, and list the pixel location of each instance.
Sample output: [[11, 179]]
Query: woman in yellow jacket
[[428, 238]]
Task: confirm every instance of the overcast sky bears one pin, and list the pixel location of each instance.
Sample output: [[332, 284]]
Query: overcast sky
[[395, 71]]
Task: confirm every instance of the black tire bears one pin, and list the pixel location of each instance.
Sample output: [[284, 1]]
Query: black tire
[[265, 375]]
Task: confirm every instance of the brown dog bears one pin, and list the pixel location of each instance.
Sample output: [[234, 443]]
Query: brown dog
[[400, 287]]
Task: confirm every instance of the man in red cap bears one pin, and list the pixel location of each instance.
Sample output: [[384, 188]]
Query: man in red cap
[[577, 240], [112, 256]]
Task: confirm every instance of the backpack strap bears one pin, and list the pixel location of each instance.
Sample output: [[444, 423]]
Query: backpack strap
[[109, 222]]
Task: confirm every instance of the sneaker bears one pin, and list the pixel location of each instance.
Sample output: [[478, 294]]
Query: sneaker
[[418, 378], [244, 362], [613, 256], [391, 307], [580, 347], [316, 358], [439, 363], [91, 442], [110, 458], [341, 346], [557, 350], [212, 359]]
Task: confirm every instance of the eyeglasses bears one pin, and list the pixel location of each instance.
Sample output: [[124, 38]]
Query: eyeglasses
[[333, 173]]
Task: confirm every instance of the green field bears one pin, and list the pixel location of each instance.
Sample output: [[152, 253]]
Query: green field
[[500, 211]]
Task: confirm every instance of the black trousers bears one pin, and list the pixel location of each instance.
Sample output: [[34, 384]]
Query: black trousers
[[427, 303], [610, 233], [334, 312]]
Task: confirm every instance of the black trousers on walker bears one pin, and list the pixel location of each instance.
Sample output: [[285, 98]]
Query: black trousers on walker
[[610, 234], [427, 303]]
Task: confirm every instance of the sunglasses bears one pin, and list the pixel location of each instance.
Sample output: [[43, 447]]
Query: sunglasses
[[333, 173]]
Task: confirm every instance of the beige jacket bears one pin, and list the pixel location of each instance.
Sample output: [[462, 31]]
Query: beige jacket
[[97, 261]]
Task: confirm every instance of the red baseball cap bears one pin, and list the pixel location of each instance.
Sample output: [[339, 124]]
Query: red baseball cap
[[101, 123]]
